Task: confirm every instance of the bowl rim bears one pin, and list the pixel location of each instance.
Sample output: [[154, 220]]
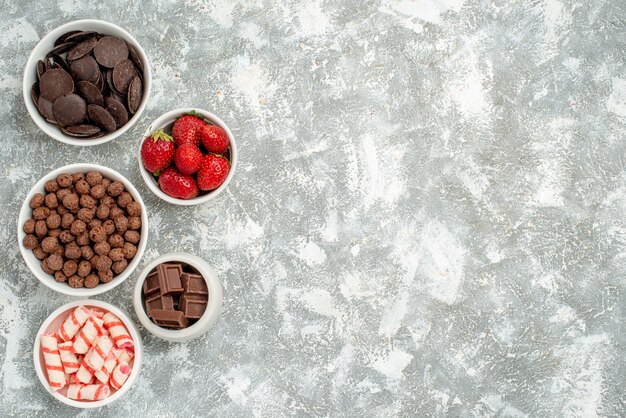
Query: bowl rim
[[137, 359], [29, 68], [211, 313], [48, 280], [169, 117]]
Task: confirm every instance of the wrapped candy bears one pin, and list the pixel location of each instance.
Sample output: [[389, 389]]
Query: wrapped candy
[[87, 334], [52, 358], [109, 364], [119, 333], [73, 322], [94, 360], [119, 375], [88, 392], [68, 358]]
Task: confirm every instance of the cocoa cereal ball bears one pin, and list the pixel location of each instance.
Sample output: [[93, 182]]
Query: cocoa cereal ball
[[41, 212], [129, 250], [82, 187], [67, 220], [121, 223], [115, 189], [66, 236], [53, 221], [72, 251], [76, 177], [115, 212], [87, 201], [101, 262], [64, 180], [109, 226], [76, 281], [133, 209], [106, 182], [55, 262], [94, 223], [107, 200], [91, 281], [62, 210], [86, 214], [78, 227], [36, 201], [119, 266], [116, 254], [51, 201], [83, 239], [98, 191], [71, 201], [102, 212], [97, 234], [116, 241], [41, 228], [124, 199], [86, 252], [132, 236], [102, 248], [84, 268], [51, 186], [46, 267], [29, 226], [134, 222], [62, 193], [30, 241], [93, 178], [70, 267], [60, 277], [39, 253], [49, 244], [54, 232], [105, 276]]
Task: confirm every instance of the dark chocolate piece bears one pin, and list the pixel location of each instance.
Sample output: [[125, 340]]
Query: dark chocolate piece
[[60, 49], [34, 93], [194, 284], [81, 49], [169, 319], [193, 306], [45, 108], [90, 93], [41, 68], [110, 50], [80, 36], [69, 110], [81, 131], [61, 39], [123, 73], [169, 278], [135, 93], [58, 60], [134, 57], [101, 117], [55, 83], [117, 110], [85, 68], [151, 284]]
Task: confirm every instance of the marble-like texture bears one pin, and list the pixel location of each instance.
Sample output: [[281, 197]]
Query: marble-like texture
[[428, 217]]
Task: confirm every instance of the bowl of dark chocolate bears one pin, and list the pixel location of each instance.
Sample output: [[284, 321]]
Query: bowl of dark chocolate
[[86, 82], [178, 297]]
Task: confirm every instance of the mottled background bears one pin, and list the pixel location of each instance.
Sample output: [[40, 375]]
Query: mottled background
[[427, 220]]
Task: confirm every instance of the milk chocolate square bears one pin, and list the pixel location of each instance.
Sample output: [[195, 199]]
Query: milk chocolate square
[[151, 284], [169, 278], [193, 306], [194, 284]]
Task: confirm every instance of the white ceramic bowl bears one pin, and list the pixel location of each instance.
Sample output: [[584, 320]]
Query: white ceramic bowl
[[35, 265], [54, 321], [46, 44], [165, 122], [212, 310]]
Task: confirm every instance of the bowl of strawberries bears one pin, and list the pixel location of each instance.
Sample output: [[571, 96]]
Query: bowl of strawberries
[[187, 156]]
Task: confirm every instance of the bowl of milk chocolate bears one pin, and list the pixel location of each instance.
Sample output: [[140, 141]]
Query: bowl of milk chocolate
[[178, 297]]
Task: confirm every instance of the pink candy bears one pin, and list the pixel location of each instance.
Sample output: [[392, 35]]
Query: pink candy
[[119, 375], [52, 358], [88, 333], [94, 359], [119, 333], [88, 392], [73, 322], [68, 358]]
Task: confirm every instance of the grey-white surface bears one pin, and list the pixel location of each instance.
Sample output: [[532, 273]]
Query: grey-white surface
[[428, 218]]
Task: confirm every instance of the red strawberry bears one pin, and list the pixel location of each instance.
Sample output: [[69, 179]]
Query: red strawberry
[[157, 151], [188, 158], [214, 139], [175, 184], [213, 172], [186, 127]]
